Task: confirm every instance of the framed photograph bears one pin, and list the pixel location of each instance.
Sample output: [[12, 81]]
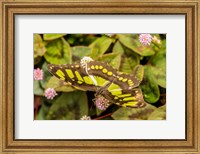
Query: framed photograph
[[99, 76]]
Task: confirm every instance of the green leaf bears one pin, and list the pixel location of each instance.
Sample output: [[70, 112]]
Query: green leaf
[[129, 61], [118, 48], [98, 111], [58, 52], [112, 59], [158, 67], [46, 76], [38, 90], [139, 72], [133, 113], [100, 46], [69, 106], [42, 112], [75, 39], [158, 114], [58, 85], [39, 46], [67, 57], [48, 37], [159, 75], [81, 39], [159, 60], [133, 43], [149, 86], [79, 52]]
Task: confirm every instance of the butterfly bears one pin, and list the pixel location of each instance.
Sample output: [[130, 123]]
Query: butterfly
[[114, 86]]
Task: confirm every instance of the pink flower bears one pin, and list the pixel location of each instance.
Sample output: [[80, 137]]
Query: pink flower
[[38, 74], [101, 103], [50, 93], [145, 39]]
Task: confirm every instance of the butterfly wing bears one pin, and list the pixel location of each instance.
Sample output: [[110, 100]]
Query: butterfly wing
[[83, 78], [74, 75], [132, 98], [125, 81]]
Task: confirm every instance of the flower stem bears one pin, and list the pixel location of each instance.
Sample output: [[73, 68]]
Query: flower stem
[[152, 57], [104, 116]]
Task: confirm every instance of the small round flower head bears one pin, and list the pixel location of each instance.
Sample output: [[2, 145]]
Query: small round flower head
[[85, 60], [50, 93], [101, 103], [156, 40], [145, 39], [38, 74], [85, 118]]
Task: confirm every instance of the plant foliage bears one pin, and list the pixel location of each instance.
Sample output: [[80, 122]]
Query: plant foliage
[[121, 51]]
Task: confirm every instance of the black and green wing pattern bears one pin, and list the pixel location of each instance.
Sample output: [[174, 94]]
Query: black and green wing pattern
[[119, 88]]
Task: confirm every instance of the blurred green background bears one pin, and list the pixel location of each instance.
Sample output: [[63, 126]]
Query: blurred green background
[[122, 51]]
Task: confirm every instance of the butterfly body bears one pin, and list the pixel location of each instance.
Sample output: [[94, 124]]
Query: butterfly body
[[118, 88]]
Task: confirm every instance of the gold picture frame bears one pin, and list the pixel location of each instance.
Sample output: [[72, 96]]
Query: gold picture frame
[[10, 8]]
